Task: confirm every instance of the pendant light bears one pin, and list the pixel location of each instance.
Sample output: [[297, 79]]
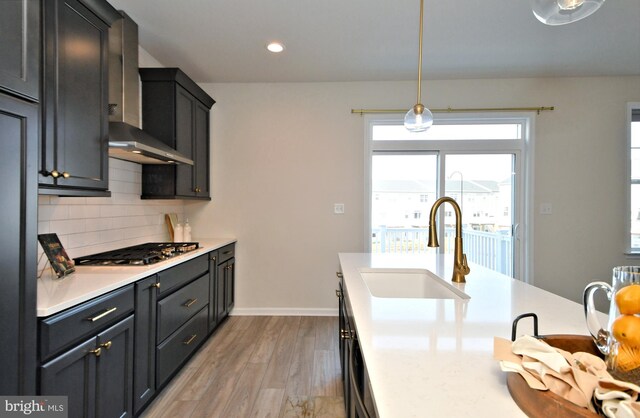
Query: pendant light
[[561, 12], [419, 118]]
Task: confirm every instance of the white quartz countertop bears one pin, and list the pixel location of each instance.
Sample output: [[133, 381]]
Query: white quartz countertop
[[55, 295], [434, 357]]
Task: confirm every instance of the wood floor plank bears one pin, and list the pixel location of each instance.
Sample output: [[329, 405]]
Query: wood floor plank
[[169, 394], [267, 342], [325, 379], [179, 409], [301, 369], [278, 370], [246, 391], [324, 332], [268, 403]]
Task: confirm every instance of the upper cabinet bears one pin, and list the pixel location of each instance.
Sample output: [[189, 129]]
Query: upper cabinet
[[75, 128], [19, 49], [176, 111]]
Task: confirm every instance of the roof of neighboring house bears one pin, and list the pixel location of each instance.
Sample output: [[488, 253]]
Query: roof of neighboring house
[[429, 186]]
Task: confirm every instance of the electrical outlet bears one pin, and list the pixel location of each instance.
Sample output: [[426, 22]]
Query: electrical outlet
[[338, 208]]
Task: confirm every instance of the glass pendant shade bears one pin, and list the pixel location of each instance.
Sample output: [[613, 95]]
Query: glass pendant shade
[[418, 119], [561, 12]]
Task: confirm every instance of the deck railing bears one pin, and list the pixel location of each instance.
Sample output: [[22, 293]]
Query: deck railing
[[488, 249]]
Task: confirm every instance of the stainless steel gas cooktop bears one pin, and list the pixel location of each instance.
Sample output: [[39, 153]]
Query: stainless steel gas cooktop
[[138, 255]]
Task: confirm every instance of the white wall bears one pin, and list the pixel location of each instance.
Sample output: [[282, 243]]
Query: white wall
[[283, 154]]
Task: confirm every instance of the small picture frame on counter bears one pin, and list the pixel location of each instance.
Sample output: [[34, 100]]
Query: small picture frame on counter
[[60, 262]]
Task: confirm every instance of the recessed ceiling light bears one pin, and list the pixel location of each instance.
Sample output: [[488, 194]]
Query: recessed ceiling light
[[275, 47]]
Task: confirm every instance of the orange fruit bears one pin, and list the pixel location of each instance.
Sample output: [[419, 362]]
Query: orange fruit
[[626, 330], [628, 358], [628, 299]]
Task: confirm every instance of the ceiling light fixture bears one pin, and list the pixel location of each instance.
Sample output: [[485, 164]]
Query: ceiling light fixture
[[419, 118], [561, 12], [275, 47]]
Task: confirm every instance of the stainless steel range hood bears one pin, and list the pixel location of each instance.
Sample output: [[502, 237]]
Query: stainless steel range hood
[[126, 140]]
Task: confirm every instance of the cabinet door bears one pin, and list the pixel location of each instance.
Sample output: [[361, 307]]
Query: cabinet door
[[213, 281], [229, 285], [201, 153], [220, 292], [114, 373], [20, 47], [144, 375], [18, 166], [75, 134], [185, 114], [73, 374]]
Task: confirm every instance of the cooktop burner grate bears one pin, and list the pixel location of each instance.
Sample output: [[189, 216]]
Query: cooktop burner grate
[[138, 255]]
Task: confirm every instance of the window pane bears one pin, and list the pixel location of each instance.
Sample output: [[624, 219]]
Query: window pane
[[635, 163], [449, 132], [482, 184], [402, 192], [635, 216], [635, 134]]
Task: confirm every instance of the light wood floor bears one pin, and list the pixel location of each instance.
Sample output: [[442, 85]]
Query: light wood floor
[[260, 366]]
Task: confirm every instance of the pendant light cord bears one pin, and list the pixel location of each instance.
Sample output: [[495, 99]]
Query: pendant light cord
[[420, 53]]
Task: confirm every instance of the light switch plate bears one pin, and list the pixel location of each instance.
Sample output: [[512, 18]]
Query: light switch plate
[[545, 208], [338, 208]]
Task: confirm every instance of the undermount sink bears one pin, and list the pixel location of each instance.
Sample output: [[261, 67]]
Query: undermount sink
[[409, 283]]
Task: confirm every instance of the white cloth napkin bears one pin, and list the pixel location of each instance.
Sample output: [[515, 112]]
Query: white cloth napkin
[[578, 377]]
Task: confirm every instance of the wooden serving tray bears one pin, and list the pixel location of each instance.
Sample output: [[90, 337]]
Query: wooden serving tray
[[544, 404]]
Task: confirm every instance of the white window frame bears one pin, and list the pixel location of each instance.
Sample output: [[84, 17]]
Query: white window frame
[[523, 149], [632, 251]]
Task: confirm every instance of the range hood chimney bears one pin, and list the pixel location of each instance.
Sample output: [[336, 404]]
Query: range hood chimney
[[126, 140]]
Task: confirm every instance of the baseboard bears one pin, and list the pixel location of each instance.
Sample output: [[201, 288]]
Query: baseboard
[[284, 312]]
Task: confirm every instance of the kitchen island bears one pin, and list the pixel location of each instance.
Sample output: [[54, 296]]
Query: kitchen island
[[434, 357]]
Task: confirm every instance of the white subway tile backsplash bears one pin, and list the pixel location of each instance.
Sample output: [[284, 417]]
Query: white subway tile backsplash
[[84, 211], [88, 225]]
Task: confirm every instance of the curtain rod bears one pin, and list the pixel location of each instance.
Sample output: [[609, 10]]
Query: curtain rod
[[454, 110]]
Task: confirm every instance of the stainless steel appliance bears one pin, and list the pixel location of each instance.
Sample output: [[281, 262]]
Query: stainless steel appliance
[[138, 255]]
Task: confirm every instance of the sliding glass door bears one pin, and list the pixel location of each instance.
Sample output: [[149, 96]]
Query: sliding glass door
[[483, 174]]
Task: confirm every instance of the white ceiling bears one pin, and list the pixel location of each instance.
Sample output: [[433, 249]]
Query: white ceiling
[[364, 40]]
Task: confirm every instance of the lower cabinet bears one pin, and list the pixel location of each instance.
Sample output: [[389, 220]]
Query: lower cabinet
[[221, 284], [112, 354], [355, 380], [144, 353], [96, 375]]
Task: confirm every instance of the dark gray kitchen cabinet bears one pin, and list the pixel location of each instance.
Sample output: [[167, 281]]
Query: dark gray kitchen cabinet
[[358, 399], [182, 315], [176, 111], [20, 48], [18, 168], [74, 147], [144, 356], [213, 291], [225, 281], [96, 375]]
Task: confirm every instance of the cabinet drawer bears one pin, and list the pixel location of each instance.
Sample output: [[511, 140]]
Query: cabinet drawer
[[177, 308], [226, 253], [175, 277], [63, 329], [177, 348]]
